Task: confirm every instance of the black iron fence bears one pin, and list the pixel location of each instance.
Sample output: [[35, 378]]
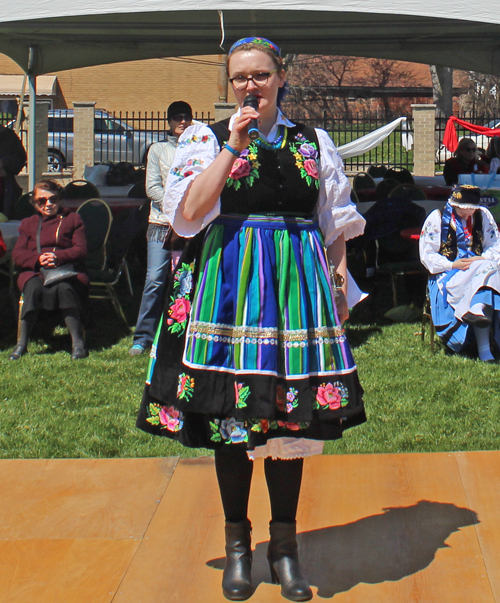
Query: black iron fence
[[480, 140], [391, 151], [121, 136], [126, 136]]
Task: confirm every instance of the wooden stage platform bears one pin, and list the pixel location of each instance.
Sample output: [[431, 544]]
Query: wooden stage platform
[[373, 529]]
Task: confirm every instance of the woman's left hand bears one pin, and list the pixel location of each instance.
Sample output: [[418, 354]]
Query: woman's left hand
[[48, 260], [342, 307]]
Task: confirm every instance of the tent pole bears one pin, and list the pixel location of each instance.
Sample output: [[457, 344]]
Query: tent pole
[[32, 60], [32, 133]]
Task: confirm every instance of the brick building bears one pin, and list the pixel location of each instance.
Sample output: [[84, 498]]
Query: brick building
[[149, 85]]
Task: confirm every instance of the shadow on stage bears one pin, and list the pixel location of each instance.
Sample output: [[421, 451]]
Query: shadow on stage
[[386, 547]]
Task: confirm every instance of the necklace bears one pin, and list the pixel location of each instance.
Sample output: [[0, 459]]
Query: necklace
[[278, 143]]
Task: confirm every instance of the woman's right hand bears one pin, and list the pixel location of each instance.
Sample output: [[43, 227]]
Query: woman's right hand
[[47, 260], [464, 263], [239, 139]]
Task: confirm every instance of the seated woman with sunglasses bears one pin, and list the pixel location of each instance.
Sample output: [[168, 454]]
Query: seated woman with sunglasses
[[465, 161], [250, 358], [51, 238]]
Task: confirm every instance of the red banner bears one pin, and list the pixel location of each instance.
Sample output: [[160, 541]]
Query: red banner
[[450, 139]]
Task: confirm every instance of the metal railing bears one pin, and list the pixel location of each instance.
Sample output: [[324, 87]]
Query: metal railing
[[390, 152], [118, 136], [126, 136]]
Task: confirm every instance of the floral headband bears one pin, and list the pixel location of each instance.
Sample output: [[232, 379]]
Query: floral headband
[[259, 41]]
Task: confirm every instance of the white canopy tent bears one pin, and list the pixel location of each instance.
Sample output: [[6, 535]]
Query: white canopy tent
[[71, 33], [43, 36]]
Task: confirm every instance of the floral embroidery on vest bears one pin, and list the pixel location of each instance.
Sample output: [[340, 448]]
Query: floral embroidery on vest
[[306, 159], [245, 168]]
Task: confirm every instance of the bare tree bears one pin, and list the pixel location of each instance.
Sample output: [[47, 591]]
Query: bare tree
[[315, 80], [311, 78], [442, 89], [383, 73], [484, 93]]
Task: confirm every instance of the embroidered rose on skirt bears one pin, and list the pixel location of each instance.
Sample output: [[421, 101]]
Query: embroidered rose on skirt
[[166, 417], [185, 387], [180, 309], [331, 396], [180, 305], [171, 418]]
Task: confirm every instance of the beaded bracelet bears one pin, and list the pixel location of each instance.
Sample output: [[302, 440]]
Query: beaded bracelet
[[231, 150]]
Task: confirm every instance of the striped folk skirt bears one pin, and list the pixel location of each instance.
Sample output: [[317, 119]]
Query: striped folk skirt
[[250, 346]]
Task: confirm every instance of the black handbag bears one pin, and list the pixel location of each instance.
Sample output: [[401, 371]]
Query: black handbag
[[51, 276]]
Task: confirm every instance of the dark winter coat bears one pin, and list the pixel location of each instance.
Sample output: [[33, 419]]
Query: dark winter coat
[[70, 245], [13, 158]]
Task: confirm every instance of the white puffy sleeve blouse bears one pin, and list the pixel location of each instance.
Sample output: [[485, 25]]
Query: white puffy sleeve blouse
[[430, 242]]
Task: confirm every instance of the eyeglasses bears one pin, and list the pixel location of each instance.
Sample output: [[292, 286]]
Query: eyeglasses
[[240, 82], [44, 200], [181, 117]]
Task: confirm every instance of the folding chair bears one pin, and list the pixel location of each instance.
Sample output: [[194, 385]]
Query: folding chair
[[97, 218], [363, 181], [80, 189]]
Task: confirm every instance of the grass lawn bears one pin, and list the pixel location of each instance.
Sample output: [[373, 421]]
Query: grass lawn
[[416, 402]]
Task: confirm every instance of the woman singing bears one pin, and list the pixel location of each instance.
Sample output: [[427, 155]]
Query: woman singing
[[250, 358]]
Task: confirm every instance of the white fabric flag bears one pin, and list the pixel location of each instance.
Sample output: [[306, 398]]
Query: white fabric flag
[[368, 141]]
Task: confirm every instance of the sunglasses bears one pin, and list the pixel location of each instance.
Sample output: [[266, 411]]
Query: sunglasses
[[181, 117], [45, 200]]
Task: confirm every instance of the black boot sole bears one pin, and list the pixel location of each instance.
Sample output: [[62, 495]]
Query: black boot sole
[[17, 352], [474, 320]]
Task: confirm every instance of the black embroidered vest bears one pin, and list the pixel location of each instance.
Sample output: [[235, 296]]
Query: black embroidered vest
[[450, 249], [273, 181]]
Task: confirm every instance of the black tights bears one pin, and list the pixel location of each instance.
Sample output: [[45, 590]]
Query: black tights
[[234, 474], [71, 318]]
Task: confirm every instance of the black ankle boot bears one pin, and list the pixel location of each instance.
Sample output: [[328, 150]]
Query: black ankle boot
[[237, 578], [283, 558], [19, 350]]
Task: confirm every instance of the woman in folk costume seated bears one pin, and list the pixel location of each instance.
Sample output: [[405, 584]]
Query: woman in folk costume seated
[[250, 358], [461, 250]]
